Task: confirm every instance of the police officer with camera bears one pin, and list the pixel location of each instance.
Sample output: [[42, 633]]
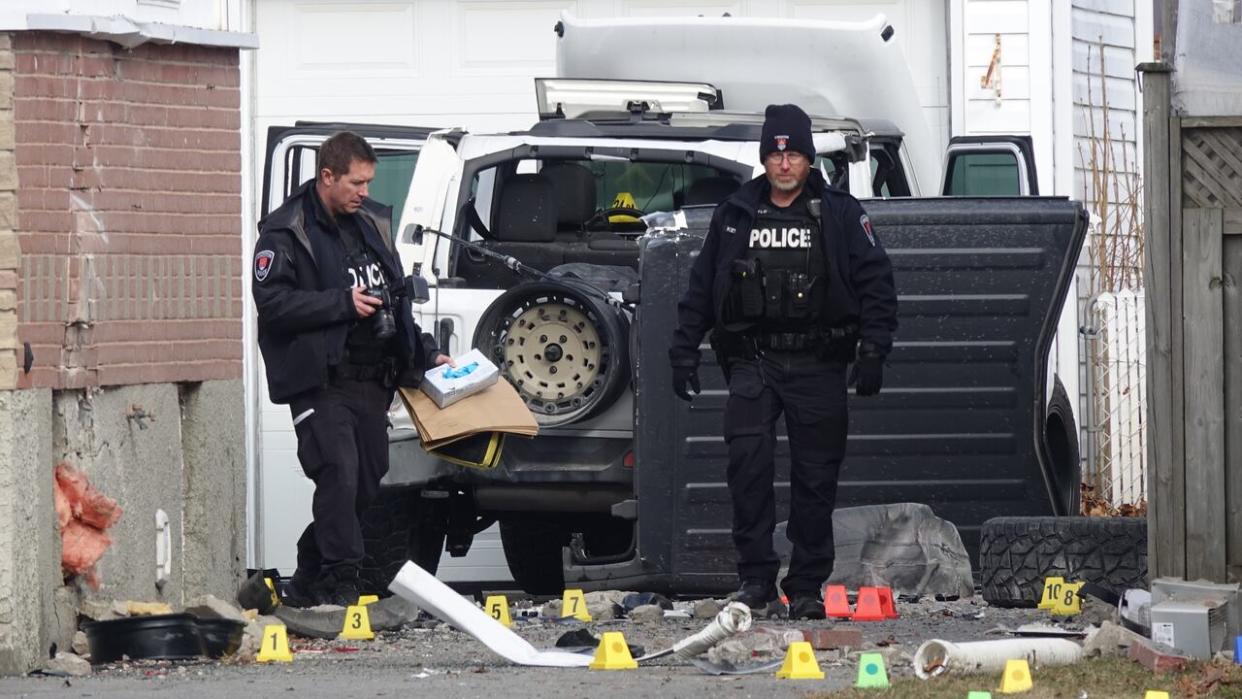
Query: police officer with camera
[[793, 285], [337, 336]]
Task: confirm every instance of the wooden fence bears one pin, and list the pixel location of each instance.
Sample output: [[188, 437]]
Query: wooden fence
[[1193, 264]]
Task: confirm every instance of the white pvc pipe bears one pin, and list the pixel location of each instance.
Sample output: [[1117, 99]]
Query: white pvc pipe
[[938, 657]]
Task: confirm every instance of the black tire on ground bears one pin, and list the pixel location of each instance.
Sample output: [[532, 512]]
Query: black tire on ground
[[400, 526], [1017, 553], [1061, 433], [533, 550]]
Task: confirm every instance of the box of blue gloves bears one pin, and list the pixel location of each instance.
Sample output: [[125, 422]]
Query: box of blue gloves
[[447, 384]]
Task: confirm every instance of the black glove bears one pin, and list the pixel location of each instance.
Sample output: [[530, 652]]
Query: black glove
[[867, 376], [685, 378]]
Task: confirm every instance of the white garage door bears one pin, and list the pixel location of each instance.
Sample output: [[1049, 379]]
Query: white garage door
[[465, 63]]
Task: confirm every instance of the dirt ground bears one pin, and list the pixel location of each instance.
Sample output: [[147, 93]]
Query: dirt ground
[[430, 658]]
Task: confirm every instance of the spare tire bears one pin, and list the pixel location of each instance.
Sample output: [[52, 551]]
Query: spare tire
[[562, 347], [1016, 554], [1061, 435]]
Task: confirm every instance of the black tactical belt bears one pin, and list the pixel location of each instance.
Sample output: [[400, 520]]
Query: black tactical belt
[[806, 341], [363, 372]]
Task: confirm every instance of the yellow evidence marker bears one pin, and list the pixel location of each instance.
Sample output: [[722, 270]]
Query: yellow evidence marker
[[573, 604], [275, 595], [800, 663], [871, 672], [275, 647], [1052, 592], [357, 626], [613, 653], [364, 600], [1156, 694], [1069, 603], [497, 607], [1017, 677]]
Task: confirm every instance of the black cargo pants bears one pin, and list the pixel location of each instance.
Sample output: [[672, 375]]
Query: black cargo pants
[[812, 395], [343, 448]]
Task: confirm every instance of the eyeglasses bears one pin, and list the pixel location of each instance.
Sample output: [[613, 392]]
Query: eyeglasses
[[792, 157]]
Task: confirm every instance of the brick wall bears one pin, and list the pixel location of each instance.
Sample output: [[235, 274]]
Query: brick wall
[[8, 214], [128, 211]]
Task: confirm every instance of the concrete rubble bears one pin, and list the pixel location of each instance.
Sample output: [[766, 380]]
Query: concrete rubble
[[212, 607], [904, 546], [67, 664], [647, 614]]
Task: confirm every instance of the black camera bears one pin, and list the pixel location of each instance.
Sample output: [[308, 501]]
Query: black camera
[[385, 325]]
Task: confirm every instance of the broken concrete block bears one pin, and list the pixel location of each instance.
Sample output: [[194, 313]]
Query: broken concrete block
[[1109, 640], [69, 664], [605, 605], [1156, 657], [647, 614], [80, 645], [904, 546], [99, 610], [706, 609], [551, 609], [760, 643], [830, 637], [212, 607]]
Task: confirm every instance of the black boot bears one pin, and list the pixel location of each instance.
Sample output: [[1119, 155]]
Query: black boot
[[761, 597], [806, 607], [299, 589], [337, 585]]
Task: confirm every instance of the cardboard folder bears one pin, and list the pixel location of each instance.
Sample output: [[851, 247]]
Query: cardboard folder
[[498, 408]]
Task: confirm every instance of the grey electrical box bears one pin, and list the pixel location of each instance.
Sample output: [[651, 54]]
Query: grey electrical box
[[1197, 618], [1196, 628]]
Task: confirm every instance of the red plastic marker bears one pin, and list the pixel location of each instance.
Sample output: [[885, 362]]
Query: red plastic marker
[[837, 603], [886, 603], [868, 608]]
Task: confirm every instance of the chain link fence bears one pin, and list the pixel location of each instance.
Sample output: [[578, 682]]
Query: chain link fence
[[1115, 476]]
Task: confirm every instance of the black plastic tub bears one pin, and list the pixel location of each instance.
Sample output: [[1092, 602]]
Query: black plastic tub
[[221, 637], [159, 637]]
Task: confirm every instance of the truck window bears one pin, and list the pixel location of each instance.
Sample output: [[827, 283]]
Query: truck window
[[835, 169], [983, 173], [888, 177], [393, 173]]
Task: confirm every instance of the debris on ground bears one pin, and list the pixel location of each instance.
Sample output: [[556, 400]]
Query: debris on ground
[[212, 607], [66, 665], [904, 546], [635, 600], [1109, 640], [84, 515], [1157, 657], [647, 614], [706, 609], [147, 608], [760, 643], [80, 645]]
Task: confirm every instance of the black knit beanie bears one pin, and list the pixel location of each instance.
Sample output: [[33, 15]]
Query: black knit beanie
[[786, 127]]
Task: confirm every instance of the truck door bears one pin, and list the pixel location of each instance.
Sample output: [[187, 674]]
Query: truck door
[[989, 166], [283, 493], [959, 425]]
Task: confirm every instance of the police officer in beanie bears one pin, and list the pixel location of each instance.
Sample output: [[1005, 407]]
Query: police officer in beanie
[[337, 336], [793, 285]]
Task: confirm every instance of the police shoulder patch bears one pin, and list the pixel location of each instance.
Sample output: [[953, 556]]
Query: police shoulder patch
[[263, 264], [866, 226]]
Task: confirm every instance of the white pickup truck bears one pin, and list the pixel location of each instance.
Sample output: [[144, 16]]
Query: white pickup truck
[[624, 486]]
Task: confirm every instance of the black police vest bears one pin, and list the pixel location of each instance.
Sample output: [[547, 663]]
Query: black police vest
[[780, 285], [364, 272]]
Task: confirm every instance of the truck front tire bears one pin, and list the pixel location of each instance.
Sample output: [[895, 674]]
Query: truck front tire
[[400, 526]]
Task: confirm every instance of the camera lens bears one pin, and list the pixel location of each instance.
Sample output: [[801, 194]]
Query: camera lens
[[385, 326]]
